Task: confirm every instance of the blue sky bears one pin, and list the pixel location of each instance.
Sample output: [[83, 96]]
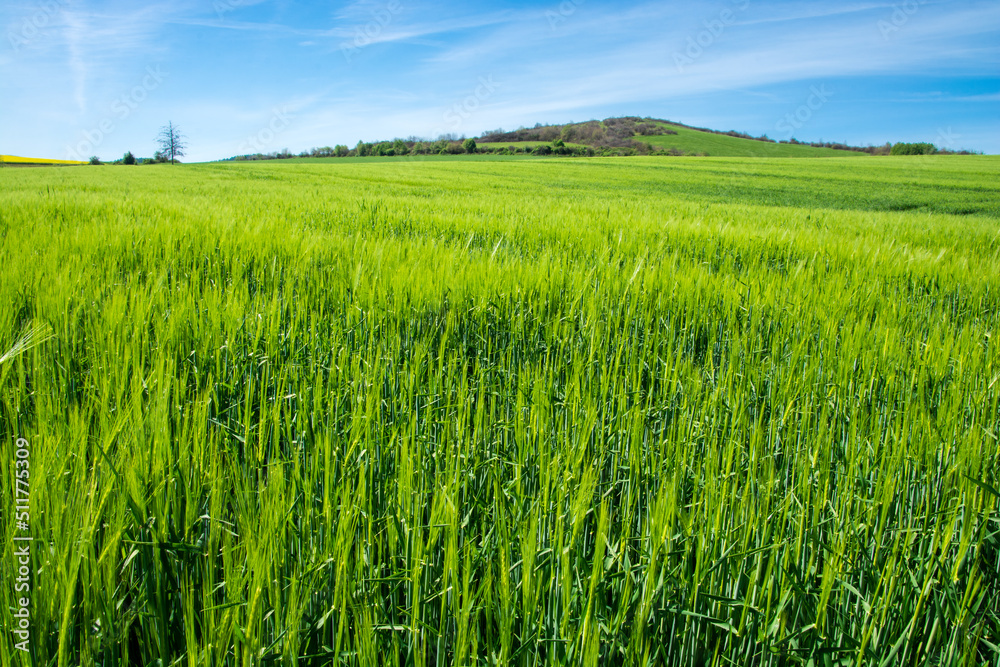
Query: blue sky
[[86, 77]]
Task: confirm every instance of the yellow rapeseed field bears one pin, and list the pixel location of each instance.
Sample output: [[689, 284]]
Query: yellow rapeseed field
[[14, 159]]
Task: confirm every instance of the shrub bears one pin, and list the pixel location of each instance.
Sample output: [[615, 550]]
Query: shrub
[[913, 149]]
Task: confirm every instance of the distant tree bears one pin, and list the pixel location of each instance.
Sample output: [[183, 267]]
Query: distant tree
[[128, 158], [453, 148], [95, 160], [913, 149], [469, 145], [341, 150], [171, 142], [399, 147]]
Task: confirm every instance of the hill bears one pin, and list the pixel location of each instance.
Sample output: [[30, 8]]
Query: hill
[[628, 135], [691, 141], [651, 135]]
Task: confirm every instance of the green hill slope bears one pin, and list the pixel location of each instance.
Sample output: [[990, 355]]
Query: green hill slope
[[690, 140], [631, 134]]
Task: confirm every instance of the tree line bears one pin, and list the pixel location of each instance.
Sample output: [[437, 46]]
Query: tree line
[[615, 136], [408, 148], [172, 145]]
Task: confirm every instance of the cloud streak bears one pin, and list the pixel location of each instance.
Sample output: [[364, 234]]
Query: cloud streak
[[76, 30]]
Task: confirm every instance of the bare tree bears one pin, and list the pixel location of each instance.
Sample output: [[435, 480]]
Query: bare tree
[[172, 144]]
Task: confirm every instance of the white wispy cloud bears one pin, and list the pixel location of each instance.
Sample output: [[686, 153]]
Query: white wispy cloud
[[740, 58], [810, 12], [395, 29], [76, 30]]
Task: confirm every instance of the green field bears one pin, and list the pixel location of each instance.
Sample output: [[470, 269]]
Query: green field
[[505, 411], [693, 141]]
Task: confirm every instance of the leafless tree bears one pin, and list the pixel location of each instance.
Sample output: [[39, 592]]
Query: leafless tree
[[172, 144]]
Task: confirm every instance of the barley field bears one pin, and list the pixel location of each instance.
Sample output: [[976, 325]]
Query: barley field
[[621, 411]]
